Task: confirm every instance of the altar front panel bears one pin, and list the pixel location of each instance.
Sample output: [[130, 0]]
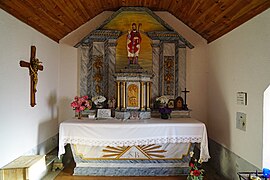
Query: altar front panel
[[144, 160]]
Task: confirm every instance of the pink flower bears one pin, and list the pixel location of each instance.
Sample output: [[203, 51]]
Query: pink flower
[[80, 103]]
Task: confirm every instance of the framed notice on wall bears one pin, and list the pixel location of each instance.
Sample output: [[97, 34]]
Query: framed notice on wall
[[241, 98]]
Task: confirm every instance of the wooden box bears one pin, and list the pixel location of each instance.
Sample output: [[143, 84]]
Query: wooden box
[[25, 167]]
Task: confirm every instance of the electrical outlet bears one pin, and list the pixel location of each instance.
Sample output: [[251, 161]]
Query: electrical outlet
[[241, 121]]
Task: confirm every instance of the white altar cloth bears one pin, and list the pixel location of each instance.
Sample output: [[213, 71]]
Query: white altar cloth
[[113, 132]]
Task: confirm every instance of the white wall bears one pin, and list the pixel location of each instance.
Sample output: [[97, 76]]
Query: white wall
[[240, 61], [68, 80], [22, 127]]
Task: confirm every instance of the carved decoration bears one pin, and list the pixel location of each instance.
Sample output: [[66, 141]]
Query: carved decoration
[[133, 95], [98, 65], [169, 74]]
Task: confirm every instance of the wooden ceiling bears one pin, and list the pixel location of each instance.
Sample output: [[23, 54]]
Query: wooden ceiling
[[209, 18]]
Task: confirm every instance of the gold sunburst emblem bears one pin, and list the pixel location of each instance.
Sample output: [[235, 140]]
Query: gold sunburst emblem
[[142, 152]]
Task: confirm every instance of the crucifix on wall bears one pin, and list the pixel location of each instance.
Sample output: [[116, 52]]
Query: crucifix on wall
[[34, 65]]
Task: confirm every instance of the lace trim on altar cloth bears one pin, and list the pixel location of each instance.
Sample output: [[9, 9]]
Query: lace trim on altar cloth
[[136, 142]]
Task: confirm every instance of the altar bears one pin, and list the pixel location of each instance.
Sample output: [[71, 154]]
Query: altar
[[148, 147]]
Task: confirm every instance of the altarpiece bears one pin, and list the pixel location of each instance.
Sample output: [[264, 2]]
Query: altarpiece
[[162, 58]]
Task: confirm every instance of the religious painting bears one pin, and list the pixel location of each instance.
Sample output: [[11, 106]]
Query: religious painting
[[171, 103], [143, 22], [133, 95], [179, 103], [144, 57]]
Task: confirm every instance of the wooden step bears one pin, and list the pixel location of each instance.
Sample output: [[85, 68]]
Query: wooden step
[[25, 167]]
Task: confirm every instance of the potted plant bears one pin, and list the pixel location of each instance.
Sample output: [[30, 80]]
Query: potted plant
[[80, 104], [195, 168]]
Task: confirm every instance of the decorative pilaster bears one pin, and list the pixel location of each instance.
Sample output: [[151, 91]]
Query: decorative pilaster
[[182, 69], [118, 95], [155, 55], [84, 69], [142, 96], [124, 95], [148, 96], [110, 51]]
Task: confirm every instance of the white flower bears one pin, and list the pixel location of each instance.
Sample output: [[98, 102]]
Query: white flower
[[162, 99], [191, 153], [200, 161], [98, 99]]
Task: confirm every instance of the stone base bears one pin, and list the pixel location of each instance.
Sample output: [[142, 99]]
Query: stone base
[[130, 171], [133, 68], [174, 114], [132, 115]]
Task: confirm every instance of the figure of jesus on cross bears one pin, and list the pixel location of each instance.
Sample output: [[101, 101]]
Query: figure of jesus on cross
[[34, 65]]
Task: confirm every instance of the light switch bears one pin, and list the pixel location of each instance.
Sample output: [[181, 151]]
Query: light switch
[[241, 121]]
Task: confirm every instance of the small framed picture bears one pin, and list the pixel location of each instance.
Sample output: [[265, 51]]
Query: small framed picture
[[171, 104], [179, 103]]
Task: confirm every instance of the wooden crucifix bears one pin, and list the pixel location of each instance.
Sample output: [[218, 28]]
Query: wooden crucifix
[[185, 107], [34, 65]]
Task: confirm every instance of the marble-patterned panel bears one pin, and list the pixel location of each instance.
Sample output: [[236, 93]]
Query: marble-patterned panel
[[84, 71], [182, 70], [155, 80], [176, 76], [111, 69], [161, 70], [98, 49], [168, 49]]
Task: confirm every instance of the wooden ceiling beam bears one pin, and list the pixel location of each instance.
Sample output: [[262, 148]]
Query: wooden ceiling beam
[[206, 8], [81, 10], [209, 18], [44, 13], [67, 14], [30, 18], [240, 20], [164, 5], [220, 19]]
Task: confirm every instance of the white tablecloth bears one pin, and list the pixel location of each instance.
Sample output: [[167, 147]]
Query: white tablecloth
[[113, 132]]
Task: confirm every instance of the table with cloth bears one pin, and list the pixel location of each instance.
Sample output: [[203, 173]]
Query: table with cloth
[[148, 147]]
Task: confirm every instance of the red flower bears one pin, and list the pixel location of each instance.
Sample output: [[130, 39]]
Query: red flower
[[196, 173], [191, 165]]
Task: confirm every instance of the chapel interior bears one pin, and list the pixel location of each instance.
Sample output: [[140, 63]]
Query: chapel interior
[[209, 58]]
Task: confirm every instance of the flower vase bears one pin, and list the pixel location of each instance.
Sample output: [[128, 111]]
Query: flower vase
[[164, 116], [79, 115]]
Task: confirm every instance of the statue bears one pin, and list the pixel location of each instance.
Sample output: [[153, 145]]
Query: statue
[[133, 44]]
